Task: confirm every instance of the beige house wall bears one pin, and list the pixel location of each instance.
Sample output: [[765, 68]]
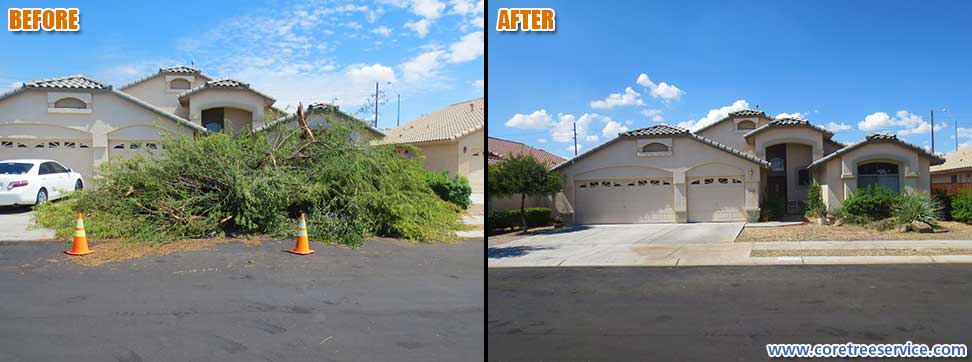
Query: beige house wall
[[237, 120], [471, 156], [725, 132], [689, 158], [156, 92], [26, 116], [839, 175], [441, 157], [228, 98]]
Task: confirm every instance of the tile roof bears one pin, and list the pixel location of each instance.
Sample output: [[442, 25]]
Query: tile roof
[[740, 113], [179, 69], [316, 108], [69, 82], [449, 123], [498, 148], [657, 130], [223, 83], [958, 160], [662, 130], [879, 138], [789, 122]]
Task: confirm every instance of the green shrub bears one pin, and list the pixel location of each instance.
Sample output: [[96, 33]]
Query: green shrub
[[944, 199], [452, 189], [815, 204], [868, 204], [774, 207], [962, 206], [917, 206], [535, 216], [258, 184]]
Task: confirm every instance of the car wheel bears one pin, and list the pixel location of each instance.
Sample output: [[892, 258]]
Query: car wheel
[[41, 196], [78, 185]]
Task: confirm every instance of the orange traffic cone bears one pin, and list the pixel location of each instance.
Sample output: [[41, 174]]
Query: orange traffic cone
[[303, 245], [80, 240]]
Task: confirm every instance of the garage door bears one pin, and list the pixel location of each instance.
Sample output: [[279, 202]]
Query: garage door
[[128, 148], [75, 154], [714, 199], [624, 201]]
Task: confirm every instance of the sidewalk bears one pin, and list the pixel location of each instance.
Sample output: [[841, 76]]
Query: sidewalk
[[727, 254]]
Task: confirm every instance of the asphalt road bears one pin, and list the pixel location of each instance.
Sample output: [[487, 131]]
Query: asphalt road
[[719, 313], [388, 301]]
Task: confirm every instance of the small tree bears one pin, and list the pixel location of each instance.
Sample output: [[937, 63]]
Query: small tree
[[523, 175], [815, 204]]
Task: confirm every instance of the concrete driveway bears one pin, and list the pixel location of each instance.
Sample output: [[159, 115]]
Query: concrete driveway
[[597, 245], [17, 224]]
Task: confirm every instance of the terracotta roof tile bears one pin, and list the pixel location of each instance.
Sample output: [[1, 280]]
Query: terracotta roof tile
[[498, 148], [657, 130], [69, 82], [448, 123]]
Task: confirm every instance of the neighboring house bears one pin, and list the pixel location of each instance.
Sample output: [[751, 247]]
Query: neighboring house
[[955, 173], [82, 122], [498, 149], [723, 171], [451, 139]]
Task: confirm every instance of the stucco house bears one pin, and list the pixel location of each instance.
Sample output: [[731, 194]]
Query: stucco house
[[723, 171], [498, 149], [956, 173], [451, 139], [83, 122]]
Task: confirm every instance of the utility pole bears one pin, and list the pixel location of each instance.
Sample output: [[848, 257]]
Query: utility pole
[[376, 104], [575, 137], [398, 119], [933, 131]]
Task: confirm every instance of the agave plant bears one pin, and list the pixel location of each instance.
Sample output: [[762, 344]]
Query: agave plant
[[917, 206]]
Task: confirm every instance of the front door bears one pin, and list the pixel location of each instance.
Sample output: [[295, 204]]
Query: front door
[[776, 187]]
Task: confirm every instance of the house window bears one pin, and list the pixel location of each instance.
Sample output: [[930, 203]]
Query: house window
[[777, 164], [179, 84], [803, 177], [746, 126], [212, 119], [954, 179], [878, 173], [70, 102], [654, 147]]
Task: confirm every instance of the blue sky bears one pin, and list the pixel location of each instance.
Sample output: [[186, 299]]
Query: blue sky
[[857, 67], [310, 51]]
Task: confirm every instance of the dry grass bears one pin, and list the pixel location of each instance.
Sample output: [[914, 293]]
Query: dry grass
[[108, 251], [955, 231], [864, 252]]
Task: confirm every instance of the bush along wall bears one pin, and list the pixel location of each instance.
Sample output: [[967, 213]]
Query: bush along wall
[[453, 189], [257, 185], [502, 220]]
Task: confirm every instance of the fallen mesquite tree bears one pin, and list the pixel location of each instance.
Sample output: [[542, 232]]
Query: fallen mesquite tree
[[257, 184]]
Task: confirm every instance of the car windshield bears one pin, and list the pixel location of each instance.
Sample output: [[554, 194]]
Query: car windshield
[[14, 168]]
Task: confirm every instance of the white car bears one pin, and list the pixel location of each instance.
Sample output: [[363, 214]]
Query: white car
[[32, 182]]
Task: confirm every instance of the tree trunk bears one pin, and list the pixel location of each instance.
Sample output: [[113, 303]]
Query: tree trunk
[[523, 211]]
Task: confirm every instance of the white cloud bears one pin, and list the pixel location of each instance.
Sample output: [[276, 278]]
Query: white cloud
[[837, 127], [537, 120], [470, 47], [479, 84], [382, 30], [715, 115], [665, 91], [923, 128], [629, 98], [423, 66], [420, 27], [906, 123], [579, 147], [655, 115], [789, 115], [542, 140], [590, 138], [612, 128], [370, 73], [964, 132], [429, 9]]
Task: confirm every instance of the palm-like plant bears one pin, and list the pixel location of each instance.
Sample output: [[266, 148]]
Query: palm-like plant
[[917, 206]]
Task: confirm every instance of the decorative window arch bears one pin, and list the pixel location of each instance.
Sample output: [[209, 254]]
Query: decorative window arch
[[70, 102], [746, 125], [179, 83], [655, 147]]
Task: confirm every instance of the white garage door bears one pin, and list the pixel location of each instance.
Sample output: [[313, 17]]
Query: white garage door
[[714, 199], [128, 148], [624, 201], [75, 154]]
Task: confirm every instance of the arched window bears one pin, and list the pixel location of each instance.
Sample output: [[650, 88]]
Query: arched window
[[883, 174], [746, 125], [654, 147], [70, 102], [179, 84]]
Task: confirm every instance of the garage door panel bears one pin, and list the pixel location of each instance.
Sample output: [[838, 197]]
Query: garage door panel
[[624, 201], [74, 154], [130, 148], [716, 199]]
